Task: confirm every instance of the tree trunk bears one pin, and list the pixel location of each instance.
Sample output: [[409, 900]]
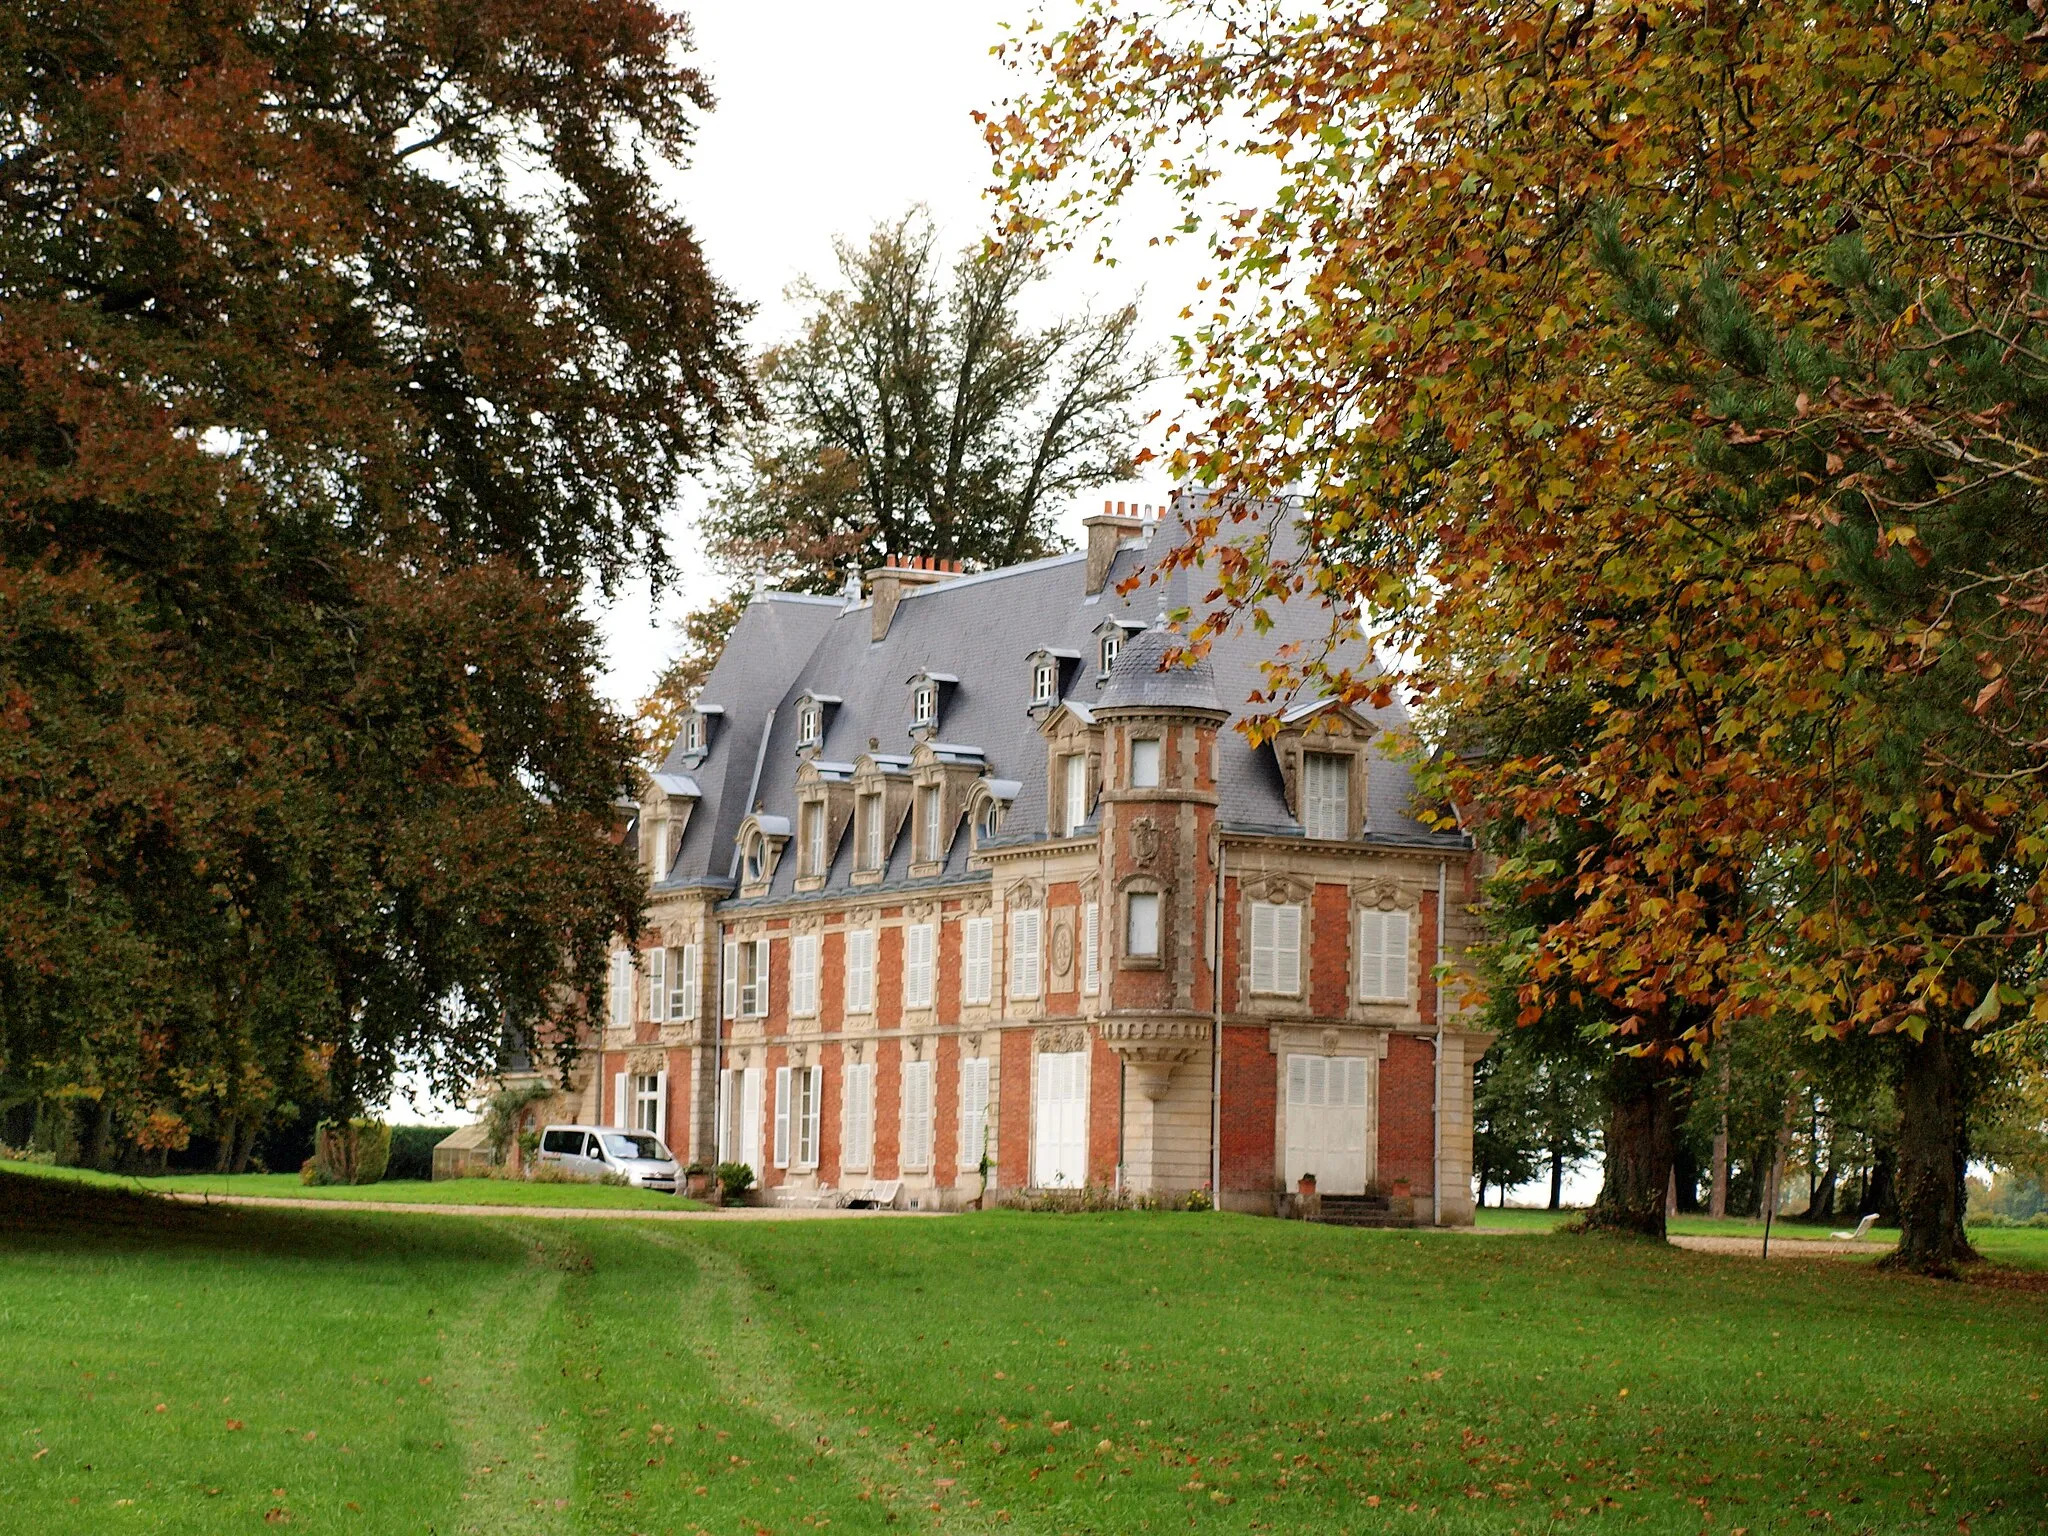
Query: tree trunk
[[1718, 1201], [1882, 1194], [1933, 1094], [224, 1150], [1482, 1189], [1644, 1113], [245, 1143], [1556, 1178]]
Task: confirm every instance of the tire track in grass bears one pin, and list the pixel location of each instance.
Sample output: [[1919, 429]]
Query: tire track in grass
[[729, 1331], [516, 1477]]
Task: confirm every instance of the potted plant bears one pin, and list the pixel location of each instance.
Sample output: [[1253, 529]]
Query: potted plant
[[1401, 1190], [1306, 1185], [734, 1180], [696, 1181]]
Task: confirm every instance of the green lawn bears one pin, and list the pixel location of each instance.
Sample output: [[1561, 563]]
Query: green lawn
[[286, 1186], [180, 1369]]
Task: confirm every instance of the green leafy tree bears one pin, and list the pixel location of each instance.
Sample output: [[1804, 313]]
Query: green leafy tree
[[340, 347], [915, 412]]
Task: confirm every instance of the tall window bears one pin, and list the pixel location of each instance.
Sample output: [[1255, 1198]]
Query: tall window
[[924, 704], [657, 851], [1276, 949], [657, 984], [918, 965], [1091, 949], [808, 723], [693, 734], [797, 1095], [934, 829], [803, 975], [814, 838], [1027, 931], [622, 989], [1111, 644], [977, 946], [917, 1114], [1326, 794], [647, 1106], [860, 970], [682, 984], [973, 1112], [1075, 801], [1141, 928], [871, 831], [1044, 680], [1145, 763], [1383, 957], [746, 979], [859, 1150]]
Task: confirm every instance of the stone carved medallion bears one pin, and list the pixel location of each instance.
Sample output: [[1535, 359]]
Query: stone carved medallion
[[1145, 841], [1062, 948]]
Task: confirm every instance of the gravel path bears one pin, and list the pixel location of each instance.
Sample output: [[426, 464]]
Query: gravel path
[[1781, 1247], [541, 1212]]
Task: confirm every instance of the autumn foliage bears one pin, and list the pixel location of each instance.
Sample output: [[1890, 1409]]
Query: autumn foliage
[[340, 346], [1676, 369]]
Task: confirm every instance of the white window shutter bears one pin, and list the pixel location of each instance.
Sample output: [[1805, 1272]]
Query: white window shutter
[[1395, 961], [813, 1108], [621, 1114], [782, 1117], [1024, 957], [657, 985], [977, 937], [973, 1112], [684, 984], [917, 965], [661, 1106], [728, 1101], [1262, 947], [1287, 950], [731, 972], [917, 1115]]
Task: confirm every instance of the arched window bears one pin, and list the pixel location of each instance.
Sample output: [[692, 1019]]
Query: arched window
[[808, 726], [988, 816], [757, 856], [1110, 645]]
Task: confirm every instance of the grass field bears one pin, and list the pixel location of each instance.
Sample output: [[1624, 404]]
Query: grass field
[[180, 1369], [286, 1186]]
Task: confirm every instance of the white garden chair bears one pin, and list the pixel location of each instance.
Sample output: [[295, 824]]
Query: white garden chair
[[1862, 1230]]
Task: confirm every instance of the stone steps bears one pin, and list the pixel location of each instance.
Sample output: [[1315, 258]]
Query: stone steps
[[1362, 1211]]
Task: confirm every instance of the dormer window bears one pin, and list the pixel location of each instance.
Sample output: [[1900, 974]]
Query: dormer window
[[810, 725], [693, 734], [1045, 678], [924, 704], [1111, 644], [756, 856], [989, 822]]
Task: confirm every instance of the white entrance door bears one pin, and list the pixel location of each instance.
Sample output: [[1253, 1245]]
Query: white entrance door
[[1061, 1160], [1328, 1123]]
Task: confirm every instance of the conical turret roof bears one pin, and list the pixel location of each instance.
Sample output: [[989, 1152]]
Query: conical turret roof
[[1137, 681]]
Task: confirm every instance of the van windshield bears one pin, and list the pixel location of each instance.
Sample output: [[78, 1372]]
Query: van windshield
[[635, 1145]]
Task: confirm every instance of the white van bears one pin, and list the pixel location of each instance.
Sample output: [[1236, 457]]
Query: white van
[[592, 1151]]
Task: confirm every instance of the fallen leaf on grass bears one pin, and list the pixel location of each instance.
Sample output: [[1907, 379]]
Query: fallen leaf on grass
[[39, 1455], [234, 1423]]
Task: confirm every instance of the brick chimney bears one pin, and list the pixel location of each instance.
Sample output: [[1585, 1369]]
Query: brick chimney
[[889, 581], [1108, 531]]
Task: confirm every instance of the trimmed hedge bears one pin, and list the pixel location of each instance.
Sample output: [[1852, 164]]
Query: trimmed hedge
[[412, 1150]]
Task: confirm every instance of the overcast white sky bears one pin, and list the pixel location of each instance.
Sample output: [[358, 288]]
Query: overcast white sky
[[831, 117]]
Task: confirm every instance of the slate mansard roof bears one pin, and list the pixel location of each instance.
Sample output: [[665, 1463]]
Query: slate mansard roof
[[983, 630]]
